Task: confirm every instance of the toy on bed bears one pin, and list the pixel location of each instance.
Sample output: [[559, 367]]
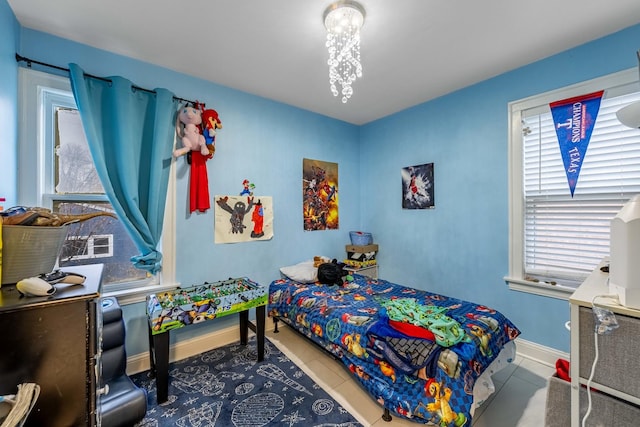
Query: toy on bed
[[420, 355]]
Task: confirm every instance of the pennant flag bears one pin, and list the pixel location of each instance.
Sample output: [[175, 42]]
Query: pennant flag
[[574, 119]]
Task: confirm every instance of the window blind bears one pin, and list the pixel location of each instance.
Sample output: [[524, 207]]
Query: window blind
[[565, 238]]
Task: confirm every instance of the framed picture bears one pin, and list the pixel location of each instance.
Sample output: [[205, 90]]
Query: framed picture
[[417, 187]]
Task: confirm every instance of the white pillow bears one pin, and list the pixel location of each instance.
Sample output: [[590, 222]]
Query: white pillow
[[303, 272]]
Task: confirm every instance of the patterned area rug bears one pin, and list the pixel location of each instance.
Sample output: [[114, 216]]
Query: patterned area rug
[[227, 387]]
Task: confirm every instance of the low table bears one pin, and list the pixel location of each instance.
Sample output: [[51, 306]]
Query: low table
[[186, 306]]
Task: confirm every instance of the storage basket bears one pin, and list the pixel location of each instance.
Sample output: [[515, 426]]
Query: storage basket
[[28, 251], [360, 238]]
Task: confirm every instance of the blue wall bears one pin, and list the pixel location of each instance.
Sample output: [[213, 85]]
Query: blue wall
[[263, 141], [460, 248], [9, 38]]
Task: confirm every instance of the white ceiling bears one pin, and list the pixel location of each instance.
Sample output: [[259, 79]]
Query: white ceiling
[[412, 50]]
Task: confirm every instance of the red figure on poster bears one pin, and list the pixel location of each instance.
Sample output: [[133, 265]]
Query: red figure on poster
[[258, 219]]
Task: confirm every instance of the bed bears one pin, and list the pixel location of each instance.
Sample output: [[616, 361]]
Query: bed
[[420, 355]]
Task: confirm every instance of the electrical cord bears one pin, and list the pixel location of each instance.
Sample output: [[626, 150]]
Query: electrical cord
[[595, 358], [593, 370]]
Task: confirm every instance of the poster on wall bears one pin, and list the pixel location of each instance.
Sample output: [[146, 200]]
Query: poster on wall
[[243, 218], [319, 195], [417, 187]]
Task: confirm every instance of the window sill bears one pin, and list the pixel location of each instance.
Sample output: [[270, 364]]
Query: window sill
[[138, 294], [539, 288]]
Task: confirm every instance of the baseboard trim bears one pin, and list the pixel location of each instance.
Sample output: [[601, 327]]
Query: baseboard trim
[[191, 347], [539, 353], [187, 348]]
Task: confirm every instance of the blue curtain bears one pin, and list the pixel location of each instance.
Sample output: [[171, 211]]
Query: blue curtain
[[130, 134]]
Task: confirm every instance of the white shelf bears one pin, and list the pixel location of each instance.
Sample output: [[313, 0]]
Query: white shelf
[[582, 300]]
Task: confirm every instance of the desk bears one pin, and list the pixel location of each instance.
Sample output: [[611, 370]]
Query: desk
[[187, 306], [53, 341]]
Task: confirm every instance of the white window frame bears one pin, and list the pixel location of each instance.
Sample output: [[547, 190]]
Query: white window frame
[[36, 174], [516, 277], [91, 244]]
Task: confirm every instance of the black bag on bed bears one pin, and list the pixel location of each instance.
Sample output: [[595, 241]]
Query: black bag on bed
[[331, 273]]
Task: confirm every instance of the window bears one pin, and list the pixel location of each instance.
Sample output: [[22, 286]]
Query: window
[[56, 172], [557, 240], [87, 247]]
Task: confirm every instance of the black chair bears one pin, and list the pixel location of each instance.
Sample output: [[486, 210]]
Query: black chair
[[123, 403]]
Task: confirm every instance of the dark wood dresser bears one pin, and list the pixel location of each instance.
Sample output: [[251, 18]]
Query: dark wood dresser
[[53, 341]]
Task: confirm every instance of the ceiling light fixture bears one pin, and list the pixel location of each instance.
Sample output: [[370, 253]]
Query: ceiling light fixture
[[343, 21]]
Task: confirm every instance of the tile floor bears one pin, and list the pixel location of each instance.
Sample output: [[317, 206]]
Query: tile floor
[[519, 400]]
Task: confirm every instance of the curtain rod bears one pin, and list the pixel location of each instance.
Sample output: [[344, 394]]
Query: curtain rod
[[20, 58]]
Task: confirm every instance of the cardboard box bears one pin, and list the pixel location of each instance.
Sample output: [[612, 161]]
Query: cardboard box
[[365, 248], [362, 253]]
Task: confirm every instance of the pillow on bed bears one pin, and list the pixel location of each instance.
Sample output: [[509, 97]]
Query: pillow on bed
[[303, 272]]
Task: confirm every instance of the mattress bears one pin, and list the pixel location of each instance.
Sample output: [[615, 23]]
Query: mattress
[[418, 354]]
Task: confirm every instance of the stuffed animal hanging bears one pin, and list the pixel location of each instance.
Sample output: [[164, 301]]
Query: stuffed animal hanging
[[210, 124], [188, 130], [194, 146]]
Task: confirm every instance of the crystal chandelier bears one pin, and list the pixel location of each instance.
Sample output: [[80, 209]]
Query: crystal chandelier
[[343, 21]]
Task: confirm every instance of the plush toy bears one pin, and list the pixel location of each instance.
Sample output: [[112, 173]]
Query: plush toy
[[210, 124], [194, 146], [188, 130], [317, 260]]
